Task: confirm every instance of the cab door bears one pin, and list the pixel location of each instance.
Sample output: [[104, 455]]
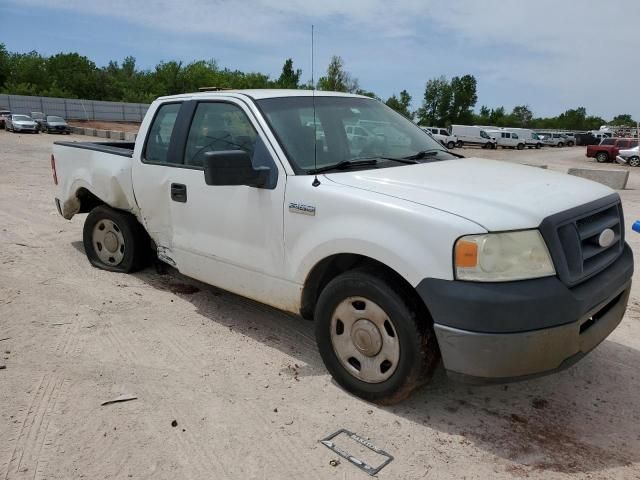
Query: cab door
[[230, 236]]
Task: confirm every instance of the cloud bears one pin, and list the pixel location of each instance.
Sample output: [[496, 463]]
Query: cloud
[[552, 55]]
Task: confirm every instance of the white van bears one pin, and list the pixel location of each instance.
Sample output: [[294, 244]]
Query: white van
[[470, 135], [507, 139], [442, 135], [531, 138]]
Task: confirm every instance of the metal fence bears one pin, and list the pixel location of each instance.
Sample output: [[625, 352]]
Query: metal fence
[[75, 109]]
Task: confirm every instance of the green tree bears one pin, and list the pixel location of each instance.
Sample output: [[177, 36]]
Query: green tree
[[436, 104], [289, 78], [4, 65], [623, 120], [402, 104], [337, 78], [464, 98], [521, 116], [75, 73]]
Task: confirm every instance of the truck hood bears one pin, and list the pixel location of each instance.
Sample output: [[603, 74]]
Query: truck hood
[[496, 195]]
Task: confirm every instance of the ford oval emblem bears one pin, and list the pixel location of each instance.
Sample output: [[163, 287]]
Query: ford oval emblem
[[606, 238]]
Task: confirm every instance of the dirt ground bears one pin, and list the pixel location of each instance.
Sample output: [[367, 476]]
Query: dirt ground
[[119, 126], [245, 384]]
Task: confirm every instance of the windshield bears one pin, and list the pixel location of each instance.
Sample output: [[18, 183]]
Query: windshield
[[54, 119], [37, 115], [346, 128], [22, 118]]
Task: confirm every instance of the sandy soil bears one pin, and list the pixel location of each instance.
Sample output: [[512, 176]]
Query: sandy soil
[[245, 383], [118, 126]]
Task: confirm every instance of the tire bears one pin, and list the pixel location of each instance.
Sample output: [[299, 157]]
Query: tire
[[451, 145], [538, 146], [487, 145], [560, 144], [602, 157], [409, 360], [570, 144], [128, 249], [520, 146], [459, 144], [634, 162]]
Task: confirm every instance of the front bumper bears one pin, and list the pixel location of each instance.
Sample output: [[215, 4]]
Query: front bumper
[[493, 333]]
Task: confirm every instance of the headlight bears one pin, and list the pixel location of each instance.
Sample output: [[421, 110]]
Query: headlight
[[500, 257]]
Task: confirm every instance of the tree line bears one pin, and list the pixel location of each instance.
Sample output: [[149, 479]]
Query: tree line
[[445, 101]]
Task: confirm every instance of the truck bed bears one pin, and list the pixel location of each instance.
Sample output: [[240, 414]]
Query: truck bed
[[124, 149]]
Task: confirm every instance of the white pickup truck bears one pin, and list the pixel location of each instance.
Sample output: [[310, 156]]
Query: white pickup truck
[[401, 252]]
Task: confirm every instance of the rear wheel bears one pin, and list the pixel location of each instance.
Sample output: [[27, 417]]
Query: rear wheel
[[115, 240], [520, 146], [459, 144], [570, 143], [370, 339], [560, 144], [634, 162], [602, 157]]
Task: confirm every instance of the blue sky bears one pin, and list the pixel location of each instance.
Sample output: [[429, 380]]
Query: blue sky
[[551, 55]]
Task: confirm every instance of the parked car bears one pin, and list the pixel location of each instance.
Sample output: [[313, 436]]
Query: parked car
[[443, 136], [471, 135], [20, 123], [40, 118], [400, 258], [586, 139], [570, 138], [629, 157], [507, 139], [608, 148], [55, 124], [531, 138], [4, 114], [553, 139]]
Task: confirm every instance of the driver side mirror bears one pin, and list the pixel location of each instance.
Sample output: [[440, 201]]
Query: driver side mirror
[[233, 167]]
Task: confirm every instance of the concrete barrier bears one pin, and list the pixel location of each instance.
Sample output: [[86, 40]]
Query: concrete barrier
[[116, 135], [545, 167], [77, 130], [616, 179], [102, 133], [130, 136], [91, 132]]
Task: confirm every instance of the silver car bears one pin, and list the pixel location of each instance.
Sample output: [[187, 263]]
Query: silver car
[[630, 156], [21, 123]]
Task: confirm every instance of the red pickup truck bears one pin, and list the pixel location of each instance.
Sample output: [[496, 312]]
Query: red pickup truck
[[608, 148]]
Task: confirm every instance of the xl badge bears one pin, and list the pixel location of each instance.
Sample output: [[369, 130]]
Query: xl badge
[[301, 208], [606, 238]]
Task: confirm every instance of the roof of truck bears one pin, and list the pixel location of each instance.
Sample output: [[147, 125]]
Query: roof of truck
[[258, 94]]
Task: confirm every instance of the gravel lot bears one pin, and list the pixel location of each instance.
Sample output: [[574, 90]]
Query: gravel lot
[[245, 383]]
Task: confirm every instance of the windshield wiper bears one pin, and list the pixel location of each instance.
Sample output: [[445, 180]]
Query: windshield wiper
[[343, 165], [392, 159], [424, 153]]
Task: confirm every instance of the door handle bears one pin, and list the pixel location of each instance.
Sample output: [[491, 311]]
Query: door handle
[[179, 192]]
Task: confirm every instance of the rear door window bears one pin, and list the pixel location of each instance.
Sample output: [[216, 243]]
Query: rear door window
[[157, 147]]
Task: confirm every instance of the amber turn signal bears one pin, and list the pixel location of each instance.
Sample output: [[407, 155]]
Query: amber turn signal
[[466, 254]]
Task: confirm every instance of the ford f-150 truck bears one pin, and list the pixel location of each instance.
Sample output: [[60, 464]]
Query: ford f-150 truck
[[402, 252]]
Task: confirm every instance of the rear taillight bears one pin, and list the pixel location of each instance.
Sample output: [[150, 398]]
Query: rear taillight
[[53, 170]]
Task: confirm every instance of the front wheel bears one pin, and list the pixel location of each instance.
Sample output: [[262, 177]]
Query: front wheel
[[634, 162], [371, 340], [560, 144], [602, 157], [520, 146], [114, 240], [451, 144]]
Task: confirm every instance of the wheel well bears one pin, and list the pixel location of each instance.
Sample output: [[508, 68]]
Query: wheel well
[[88, 201], [329, 268]]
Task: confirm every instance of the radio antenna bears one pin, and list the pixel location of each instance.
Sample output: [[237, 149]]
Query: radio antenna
[[316, 182]]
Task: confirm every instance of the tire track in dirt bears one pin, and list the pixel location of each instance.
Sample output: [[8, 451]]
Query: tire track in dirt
[[32, 436]]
